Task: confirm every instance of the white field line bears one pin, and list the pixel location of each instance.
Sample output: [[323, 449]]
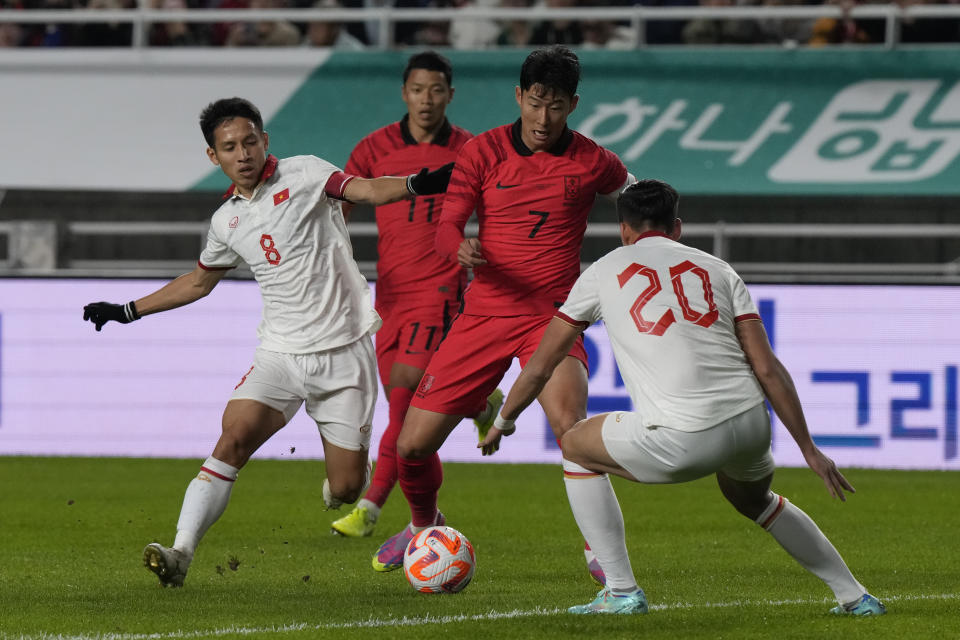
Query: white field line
[[428, 620]]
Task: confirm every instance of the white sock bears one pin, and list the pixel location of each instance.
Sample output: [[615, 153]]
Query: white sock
[[372, 508], [204, 502], [802, 539], [436, 523], [597, 512]]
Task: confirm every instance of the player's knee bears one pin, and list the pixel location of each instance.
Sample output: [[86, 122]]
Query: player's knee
[[346, 489], [563, 422], [234, 447], [570, 446], [412, 451], [748, 498]]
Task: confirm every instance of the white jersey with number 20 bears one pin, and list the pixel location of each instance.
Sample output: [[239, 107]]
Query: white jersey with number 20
[[670, 311]]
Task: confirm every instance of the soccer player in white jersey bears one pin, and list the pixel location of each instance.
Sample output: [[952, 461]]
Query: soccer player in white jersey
[[697, 363], [283, 218]]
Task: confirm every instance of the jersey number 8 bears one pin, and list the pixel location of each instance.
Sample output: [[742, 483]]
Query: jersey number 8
[[269, 249]]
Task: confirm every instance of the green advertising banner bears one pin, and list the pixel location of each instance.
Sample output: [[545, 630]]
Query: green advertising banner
[[708, 121]]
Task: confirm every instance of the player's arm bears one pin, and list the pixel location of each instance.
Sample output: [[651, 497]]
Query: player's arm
[[188, 288], [554, 347], [458, 206], [387, 189], [613, 195], [782, 394]]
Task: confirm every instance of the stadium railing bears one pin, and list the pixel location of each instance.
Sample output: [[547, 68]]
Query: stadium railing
[[31, 249], [637, 16]]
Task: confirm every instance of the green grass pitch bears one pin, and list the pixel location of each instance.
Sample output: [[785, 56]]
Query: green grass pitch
[[73, 530]]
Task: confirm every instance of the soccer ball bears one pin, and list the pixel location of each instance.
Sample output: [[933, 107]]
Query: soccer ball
[[439, 560]]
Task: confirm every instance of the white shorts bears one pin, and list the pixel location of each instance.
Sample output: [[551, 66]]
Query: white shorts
[[339, 388], [740, 447]]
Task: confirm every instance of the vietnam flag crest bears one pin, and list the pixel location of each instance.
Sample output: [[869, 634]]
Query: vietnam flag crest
[[281, 197]]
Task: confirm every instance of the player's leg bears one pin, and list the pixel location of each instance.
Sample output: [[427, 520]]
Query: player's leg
[[412, 336], [348, 469], [564, 401], [341, 396], [596, 510], [745, 483], [800, 536], [403, 379], [461, 374], [420, 475], [247, 424]]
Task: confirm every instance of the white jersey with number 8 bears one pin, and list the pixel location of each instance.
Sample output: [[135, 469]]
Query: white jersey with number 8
[[293, 237], [670, 311]]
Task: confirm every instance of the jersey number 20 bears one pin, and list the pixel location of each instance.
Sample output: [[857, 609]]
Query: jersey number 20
[[668, 318]]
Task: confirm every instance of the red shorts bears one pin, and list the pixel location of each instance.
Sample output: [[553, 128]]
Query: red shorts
[[411, 332], [473, 357]]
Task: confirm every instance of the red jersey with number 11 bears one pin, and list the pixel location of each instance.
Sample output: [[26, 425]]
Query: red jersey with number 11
[[532, 209], [407, 262]]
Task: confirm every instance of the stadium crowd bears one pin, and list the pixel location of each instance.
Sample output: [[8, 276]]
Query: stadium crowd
[[466, 33]]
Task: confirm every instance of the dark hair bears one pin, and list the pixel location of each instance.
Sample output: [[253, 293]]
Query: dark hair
[[648, 204], [431, 61], [554, 68], [216, 113]]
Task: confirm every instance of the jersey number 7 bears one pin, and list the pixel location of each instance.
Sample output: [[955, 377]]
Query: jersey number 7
[[668, 318]]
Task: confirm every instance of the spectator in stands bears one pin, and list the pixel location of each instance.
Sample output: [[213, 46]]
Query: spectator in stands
[[785, 31], [105, 34], [663, 31], [330, 34], [11, 35], [720, 30], [471, 33], [845, 30], [432, 34], [606, 34], [928, 30], [175, 34], [562, 31], [515, 33], [264, 34], [404, 33]]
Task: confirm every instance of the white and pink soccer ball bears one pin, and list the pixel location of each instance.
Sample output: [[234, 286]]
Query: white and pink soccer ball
[[439, 560]]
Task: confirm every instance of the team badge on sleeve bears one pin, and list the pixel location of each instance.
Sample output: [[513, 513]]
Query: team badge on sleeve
[[425, 384], [281, 197]]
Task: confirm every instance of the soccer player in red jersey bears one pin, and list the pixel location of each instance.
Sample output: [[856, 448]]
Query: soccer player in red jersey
[[417, 290], [532, 184]]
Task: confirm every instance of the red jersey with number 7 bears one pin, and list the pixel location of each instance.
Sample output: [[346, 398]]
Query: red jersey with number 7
[[407, 263], [532, 209]]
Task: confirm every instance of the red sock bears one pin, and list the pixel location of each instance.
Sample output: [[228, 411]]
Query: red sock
[[420, 481], [386, 473]]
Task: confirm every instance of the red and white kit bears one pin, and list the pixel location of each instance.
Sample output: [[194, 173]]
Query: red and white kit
[[670, 312], [292, 234]]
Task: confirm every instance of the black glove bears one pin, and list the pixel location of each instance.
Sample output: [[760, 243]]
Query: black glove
[[426, 182], [100, 313]]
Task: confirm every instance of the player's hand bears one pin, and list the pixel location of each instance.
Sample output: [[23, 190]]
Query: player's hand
[[491, 444], [428, 182], [469, 255], [828, 472], [100, 313]]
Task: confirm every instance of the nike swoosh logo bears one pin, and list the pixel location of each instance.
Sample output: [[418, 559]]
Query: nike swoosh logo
[[506, 186]]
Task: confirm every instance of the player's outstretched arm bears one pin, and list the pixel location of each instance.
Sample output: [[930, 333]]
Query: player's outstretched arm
[[183, 290], [780, 391], [553, 348], [387, 189]]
